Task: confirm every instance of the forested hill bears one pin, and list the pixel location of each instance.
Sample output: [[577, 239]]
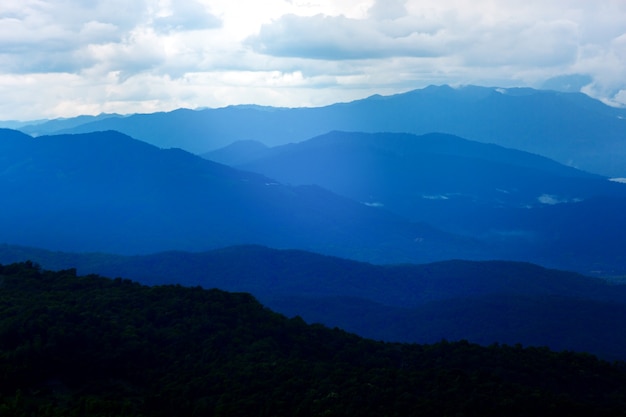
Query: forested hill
[[92, 346], [483, 302]]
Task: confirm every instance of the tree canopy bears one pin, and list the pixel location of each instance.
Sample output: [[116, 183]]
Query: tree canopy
[[92, 346]]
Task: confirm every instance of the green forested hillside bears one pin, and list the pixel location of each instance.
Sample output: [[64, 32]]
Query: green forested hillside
[[91, 346], [483, 302]]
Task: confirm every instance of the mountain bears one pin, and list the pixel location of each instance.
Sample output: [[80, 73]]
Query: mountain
[[16, 124], [267, 272], [483, 302], [561, 323], [533, 207], [45, 127], [107, 192], [73, 345], [405, 172], [12, 137], [238, 153], [571, 128]]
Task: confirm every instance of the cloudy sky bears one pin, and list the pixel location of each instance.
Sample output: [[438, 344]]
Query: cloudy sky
[[61, 58]]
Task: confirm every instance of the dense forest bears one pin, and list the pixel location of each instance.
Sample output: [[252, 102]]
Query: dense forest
[[483, 302], [92, 346]]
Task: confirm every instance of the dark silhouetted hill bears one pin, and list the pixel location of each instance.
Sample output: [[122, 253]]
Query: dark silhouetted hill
[[72, 345], [483, 302]]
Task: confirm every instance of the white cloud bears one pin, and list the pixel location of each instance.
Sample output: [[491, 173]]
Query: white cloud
[[436, 197], [388, 9], [542, 44], [339, 38], [65, 57], [551, 200], [184, 16], [141, 50]]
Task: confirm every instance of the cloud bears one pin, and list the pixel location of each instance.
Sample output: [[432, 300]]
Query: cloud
[[296, 52], [436, 197], [522, 44], [461, 42], [607, 65], [571, 83], [618, 180], [340, 38], [141, 50], [43, 36], [74, 35], [390, 31], [388, 9], [551, 200], [185, 16]]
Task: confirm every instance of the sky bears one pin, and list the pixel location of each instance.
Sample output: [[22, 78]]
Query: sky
[[63, 58]]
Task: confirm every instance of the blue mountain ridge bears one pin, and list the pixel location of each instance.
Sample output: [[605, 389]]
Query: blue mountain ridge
[[571, 128], [105, 191], [538, 209]]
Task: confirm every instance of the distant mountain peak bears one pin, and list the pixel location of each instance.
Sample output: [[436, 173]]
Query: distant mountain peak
[[571, 128]]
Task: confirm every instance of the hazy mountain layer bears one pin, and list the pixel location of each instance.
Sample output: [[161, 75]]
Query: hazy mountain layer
[[533, 207], [407, 173], [105, 191], [571, 128]]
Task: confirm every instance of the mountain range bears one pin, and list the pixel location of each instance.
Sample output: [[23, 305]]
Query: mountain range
[[393, 198], [444, 225], [105, 191], [404, 172], [571, 128], [485, 302], [536, 208]]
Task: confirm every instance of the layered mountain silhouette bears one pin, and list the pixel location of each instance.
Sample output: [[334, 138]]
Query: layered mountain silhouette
[[403, 199], [276, 177], [571, 128], [399, 171], [483, 302], [44, 127], [105, 191], [538, 209], [108, 192]]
